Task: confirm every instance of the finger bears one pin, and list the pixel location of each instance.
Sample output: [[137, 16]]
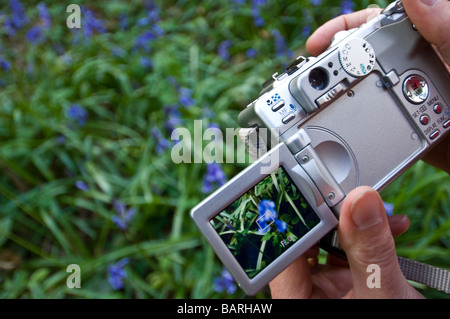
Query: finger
[[431, 18], [366, 238], [294, 282], [398, 224], [319, 41]]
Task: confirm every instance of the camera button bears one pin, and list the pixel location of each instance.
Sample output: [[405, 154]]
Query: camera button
[[424, 119], [435, 134], [415, 89], [288, 118], [437, 109], [447, 124], [278, 106]]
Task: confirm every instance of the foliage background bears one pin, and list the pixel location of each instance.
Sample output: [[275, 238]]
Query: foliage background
[[85, 117]]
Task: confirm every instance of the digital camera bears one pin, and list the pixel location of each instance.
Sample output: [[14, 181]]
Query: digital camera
[[361, 113]]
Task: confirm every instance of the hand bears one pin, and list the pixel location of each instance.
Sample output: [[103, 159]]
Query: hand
[[431, 19], [366, 236]]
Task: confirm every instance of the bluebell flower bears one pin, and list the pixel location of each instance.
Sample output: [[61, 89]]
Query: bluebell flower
[[34, 35], [213, 177], [389, 208], [251, 53], [146, 62], [184, 97], [224, 48], [78, 114], [280, 45], [44, 15], [117, 274], [225, 283], [123, 215], [82, 186], [143, 41], [268, 215], [173, 116], [306, 31], [123, 21], [316, 2], [161, 143], [18, 17], [5, 64], [91, 24], [347, 6], [152, 11], [256, 13]]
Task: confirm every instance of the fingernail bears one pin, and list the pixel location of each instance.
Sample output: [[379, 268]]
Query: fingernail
[[429, 3], [366, 210]]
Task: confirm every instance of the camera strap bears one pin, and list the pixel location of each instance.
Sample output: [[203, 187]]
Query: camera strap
[[415, 271]]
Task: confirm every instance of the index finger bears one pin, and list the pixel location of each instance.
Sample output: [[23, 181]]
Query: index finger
[[319, 41]]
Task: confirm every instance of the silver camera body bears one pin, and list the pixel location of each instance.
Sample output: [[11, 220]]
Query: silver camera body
[[361, 113]]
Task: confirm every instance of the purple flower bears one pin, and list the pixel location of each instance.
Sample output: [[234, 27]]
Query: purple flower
[[5, 64], [78, 114], [82, 186], [306, 31], [255, 6], [251, 53], [184, 97], [347, 6], [173, 116], [34, 35], [123, 216], [268, 215], [44, 15], [161, 143], [18, 18], [280, 44], [316, 2], [389, 208], [224, 50], [91, 24], [146, 63], [225, 283], [214, 176], [117, 274], [143, 41]]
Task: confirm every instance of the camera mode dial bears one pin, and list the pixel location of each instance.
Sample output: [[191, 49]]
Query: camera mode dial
[[357, 57]]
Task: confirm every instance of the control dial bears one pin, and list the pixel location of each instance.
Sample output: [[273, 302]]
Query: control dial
[[357, 57]]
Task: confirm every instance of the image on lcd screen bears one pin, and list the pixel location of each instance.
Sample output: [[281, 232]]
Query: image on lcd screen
[[263, 223]]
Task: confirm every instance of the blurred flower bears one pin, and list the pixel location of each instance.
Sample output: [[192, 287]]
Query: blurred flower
[[347, 6], [161, 143], [251, 53], [117, 274], [224, 49], [214, 176], [184, 97], [34, 35], [306, 31], [389, 208], [143, 41], [280, 45], [18, 18], [82, 186], [255, 6], [44, 15], [91, 24], [77, 113], [123, 21], [5, 64], [268, 215], [123, 216], [225, 283], [146, 63], [316, 2], [173, 116]]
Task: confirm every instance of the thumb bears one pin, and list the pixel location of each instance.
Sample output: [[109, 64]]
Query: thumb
[[366, 238], [431, 19]]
